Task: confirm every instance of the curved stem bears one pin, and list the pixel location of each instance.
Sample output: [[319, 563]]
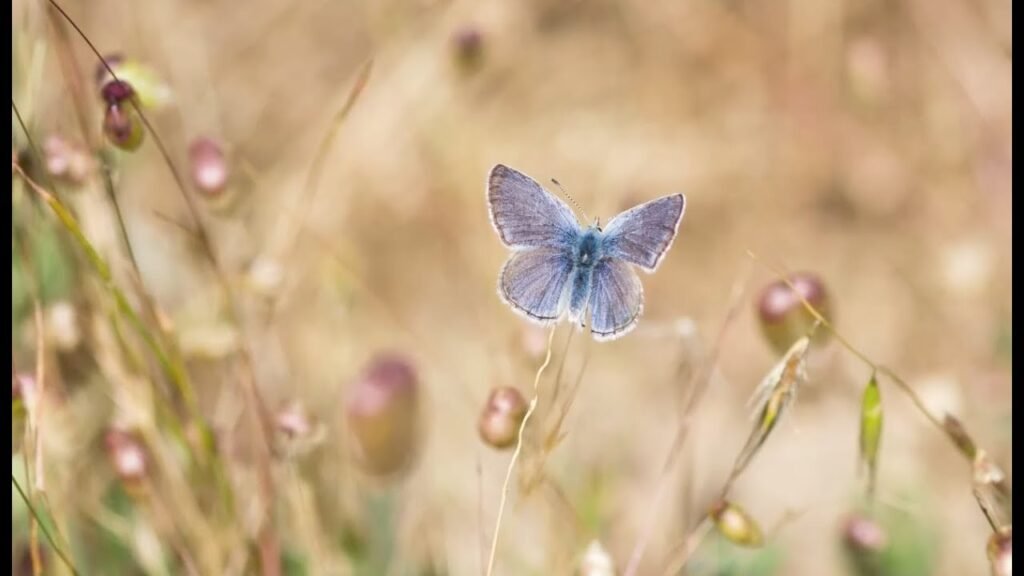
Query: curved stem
[[515, 455]]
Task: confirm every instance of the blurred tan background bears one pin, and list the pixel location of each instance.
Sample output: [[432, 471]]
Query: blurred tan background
[[869, 142]]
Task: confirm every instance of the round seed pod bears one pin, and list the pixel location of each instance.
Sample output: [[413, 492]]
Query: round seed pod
[[128, 457], [208, 167], [382, 412], [1000, 551], [782, 314], [864, 543], [735, 524], [123, 127], [501, 417]]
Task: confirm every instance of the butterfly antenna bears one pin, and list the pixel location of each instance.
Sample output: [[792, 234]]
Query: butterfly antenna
[[571, 200]]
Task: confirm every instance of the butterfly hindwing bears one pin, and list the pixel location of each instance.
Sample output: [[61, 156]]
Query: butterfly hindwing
[[616, 299], [534, 283]]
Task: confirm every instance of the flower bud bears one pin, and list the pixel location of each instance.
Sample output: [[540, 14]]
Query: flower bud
[[123, 127], [383, 415], [209, 167], [127, 456], [117, 92], [735, 524], [864, 543], [67, 161], [783, 317], [596, 561], [467, 43], [501, 417], [152, 92], [62, 326], [298, 432]]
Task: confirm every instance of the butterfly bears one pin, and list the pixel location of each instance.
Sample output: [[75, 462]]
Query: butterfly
[[558, 267]]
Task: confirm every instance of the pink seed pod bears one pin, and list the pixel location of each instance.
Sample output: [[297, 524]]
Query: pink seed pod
[[123, 127], [208, 167], [500, 419], [128, 457], [784, 318], [383, 418]]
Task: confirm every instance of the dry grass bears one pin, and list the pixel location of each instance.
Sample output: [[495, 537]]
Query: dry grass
[[868, 142]]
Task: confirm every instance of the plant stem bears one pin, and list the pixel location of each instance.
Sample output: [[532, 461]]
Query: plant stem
[[515, 455]]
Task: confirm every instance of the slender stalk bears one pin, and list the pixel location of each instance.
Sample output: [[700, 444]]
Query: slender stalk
[[682, 554], [699, 384], [46, 532], [893, 377], [515, 455]]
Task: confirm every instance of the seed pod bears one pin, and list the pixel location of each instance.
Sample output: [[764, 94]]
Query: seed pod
[[467, 43], [864, 543], [501, 417], [128, 457], [118, 92], [209, 167], [958, 434], [383, 415], [1000, 552], [67, 161], [870, 429], [123, 127], [298, 431], [153, 93], [596, 561], [784, 318], [735, 524]]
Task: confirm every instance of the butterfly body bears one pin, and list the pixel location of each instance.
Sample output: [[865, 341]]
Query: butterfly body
[[560, 268]]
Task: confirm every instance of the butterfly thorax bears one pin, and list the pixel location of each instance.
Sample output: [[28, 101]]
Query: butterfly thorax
[[588, 250]]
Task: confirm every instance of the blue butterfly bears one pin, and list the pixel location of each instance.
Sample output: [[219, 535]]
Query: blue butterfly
[[557, 266]]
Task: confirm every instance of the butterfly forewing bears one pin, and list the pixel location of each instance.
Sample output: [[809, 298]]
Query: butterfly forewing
[[643, 234], [616, 299], [525, 215], [534, 282]]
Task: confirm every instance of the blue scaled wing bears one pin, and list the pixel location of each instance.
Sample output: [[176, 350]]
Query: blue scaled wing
[[616, 299], [642, 235], [534, 283], [525, 215]]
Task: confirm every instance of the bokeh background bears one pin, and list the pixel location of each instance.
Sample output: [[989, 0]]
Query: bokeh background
[[867, 142]]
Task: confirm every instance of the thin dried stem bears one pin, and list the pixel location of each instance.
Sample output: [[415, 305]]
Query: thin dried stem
[[679, 558], [515, 455], [699, 385], [46, 533], [296, 224]]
